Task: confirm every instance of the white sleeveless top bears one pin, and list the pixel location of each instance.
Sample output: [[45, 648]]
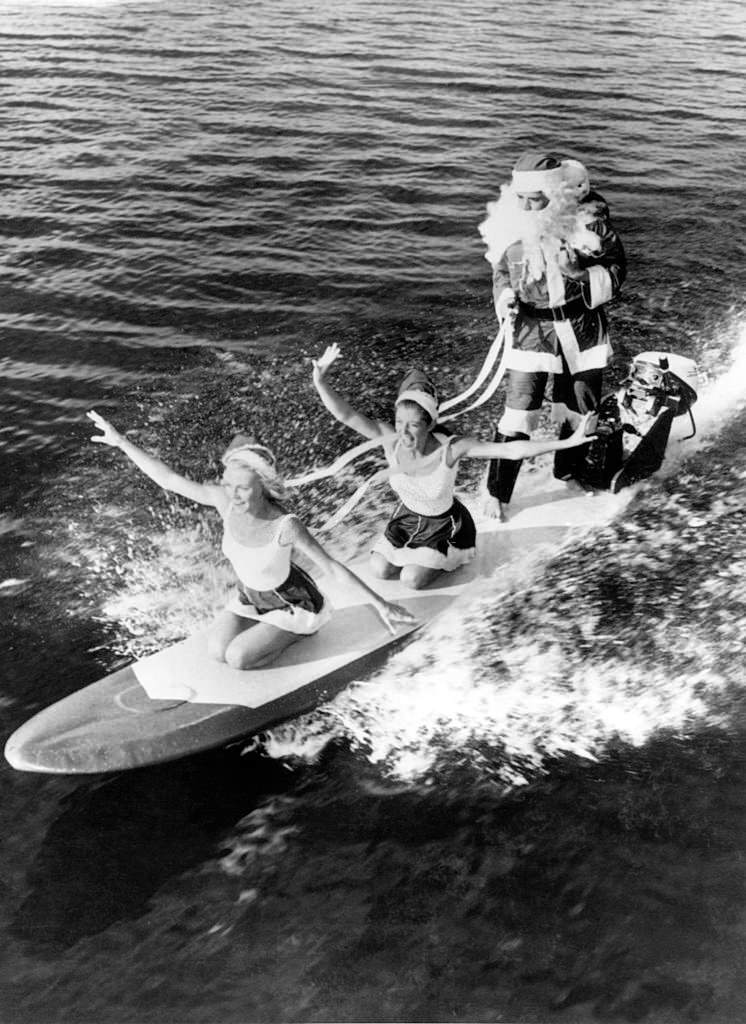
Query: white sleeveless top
[[261, 568], [429, 494]]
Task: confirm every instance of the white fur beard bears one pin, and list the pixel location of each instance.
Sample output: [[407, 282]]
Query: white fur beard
[[562, 223]]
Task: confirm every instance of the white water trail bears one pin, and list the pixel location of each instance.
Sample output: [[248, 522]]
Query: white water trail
[[461, 695]]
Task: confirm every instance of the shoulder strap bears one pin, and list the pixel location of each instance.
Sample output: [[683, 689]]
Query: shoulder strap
[[445, 443], [391, 451], [281, 525]]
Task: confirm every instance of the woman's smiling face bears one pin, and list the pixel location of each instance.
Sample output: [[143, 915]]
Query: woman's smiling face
[[243, 486], [412, 426]]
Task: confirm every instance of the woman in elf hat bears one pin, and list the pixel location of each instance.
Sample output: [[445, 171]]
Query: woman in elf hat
[[276, 602], [430, 531]]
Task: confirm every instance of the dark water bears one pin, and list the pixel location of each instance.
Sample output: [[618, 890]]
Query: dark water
[[536, 813]]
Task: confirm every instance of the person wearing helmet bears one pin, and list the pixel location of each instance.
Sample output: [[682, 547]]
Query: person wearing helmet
[[634, 422], [556, 261]]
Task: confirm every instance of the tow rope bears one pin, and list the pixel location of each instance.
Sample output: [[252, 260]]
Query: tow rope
[[333, 468], [504, 341]]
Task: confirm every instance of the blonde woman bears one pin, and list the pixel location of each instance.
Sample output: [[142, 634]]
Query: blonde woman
[[276, 602]]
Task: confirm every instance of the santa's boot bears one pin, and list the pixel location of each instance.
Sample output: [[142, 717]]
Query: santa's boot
[[501, 477]]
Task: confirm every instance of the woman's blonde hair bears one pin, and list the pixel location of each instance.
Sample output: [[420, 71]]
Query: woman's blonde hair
[[243, 451]]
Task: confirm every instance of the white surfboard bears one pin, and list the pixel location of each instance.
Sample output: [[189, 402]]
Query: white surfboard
[[179, 701]]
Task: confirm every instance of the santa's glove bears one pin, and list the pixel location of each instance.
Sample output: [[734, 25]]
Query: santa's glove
[[584, 396], [505, 304]]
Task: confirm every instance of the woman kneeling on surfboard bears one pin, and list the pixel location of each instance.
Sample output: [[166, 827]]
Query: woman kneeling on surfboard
[[430, 531], [277, 602]]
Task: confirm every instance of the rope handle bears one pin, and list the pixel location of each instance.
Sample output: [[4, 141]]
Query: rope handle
[[487, 365], [504, 337], [333, 468]]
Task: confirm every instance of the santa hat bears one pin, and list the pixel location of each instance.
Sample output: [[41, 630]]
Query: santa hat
[[418, 388], [536, 171]]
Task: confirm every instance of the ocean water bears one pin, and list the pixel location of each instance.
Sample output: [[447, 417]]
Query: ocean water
[[535, 812]]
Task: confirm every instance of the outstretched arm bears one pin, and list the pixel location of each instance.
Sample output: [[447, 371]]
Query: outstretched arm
[[469, 447], [391, 614], [163, 475], [339, 407]]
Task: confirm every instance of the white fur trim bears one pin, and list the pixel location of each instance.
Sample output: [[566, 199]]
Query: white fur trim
[[429, 558], [594, 358], [601, 286], [533, 362], [526, 182], [421, 398], [569, 342], [519, 421]]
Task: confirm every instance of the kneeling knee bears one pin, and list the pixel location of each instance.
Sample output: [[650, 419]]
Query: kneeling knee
[[415, 577], [236, 658], [380, 568], [216, 650]]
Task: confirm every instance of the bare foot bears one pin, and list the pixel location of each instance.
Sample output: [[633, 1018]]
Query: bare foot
[[493, 508]]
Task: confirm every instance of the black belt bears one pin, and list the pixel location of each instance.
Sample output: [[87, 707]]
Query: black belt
[[570, 309]]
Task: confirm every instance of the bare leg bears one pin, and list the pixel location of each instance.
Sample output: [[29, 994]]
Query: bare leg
[[501, 477], [418, 576], [259, 645], [381, 568], [223, 630]]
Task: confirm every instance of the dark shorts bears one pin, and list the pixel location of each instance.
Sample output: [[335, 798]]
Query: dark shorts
[[298, 591], [297, 605], [437, 542]]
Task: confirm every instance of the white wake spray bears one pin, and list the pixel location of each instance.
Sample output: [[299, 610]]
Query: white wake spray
[[460, 696]]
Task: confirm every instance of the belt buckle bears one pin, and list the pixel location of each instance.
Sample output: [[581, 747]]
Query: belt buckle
[[558, 313]]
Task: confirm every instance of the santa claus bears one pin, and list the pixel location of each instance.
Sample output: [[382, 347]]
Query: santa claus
[[556, 261]]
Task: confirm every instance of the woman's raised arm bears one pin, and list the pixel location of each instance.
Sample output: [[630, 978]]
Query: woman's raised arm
[[339, 407], [159, 472]]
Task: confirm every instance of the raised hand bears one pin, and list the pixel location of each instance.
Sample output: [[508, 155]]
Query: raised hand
[[322, 364], [393, 615], [109, 435]]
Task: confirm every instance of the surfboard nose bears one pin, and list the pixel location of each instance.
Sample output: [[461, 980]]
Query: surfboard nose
[[57, 739], [24, 752]]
